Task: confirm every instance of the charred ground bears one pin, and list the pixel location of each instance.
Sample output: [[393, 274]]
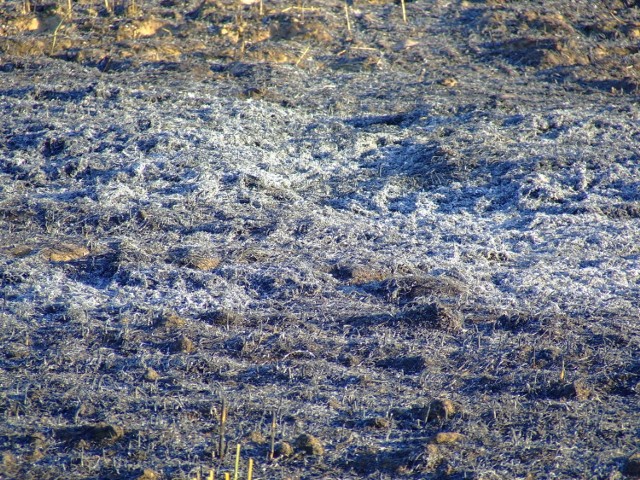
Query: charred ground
[[417, 243]]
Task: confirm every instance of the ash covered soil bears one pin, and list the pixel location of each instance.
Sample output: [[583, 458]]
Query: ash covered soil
[[415, 245]]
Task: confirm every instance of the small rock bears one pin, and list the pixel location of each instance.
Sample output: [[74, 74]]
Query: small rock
[[309, 444]]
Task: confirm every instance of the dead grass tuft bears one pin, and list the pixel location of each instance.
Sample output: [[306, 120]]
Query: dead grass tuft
[[404, 289], [447, 438], [65, 252], [308, 444], [283, 450], [21, 250], [368, 460], [148, 474], [439, 410], [433, 315], [200, 261], [9, 464], [151, 375], [26, 24], [170, 320], [227, 318], [380, 423], [358, 275], [577, 390], [183, 345]]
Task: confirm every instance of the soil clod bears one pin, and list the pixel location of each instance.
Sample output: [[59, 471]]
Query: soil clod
[[433, 315], [632, 465], [100, 433], [309, 444]]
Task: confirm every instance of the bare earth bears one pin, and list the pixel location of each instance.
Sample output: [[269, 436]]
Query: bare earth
[[416, 246]]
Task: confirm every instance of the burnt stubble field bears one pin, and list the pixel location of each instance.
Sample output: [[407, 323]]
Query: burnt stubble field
[[365, 247]]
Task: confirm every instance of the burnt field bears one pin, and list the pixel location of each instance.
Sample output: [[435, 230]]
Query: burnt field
[[365, 247]]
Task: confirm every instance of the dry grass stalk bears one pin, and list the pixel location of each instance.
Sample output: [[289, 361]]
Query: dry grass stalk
[[404, 11], [301, 9], [272, 443], [221, 432], [55, 36], [237, 464], [302, 56], [346, 14], [133, 9]]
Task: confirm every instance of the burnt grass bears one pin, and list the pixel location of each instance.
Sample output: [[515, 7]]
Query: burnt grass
[[415, 246]]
